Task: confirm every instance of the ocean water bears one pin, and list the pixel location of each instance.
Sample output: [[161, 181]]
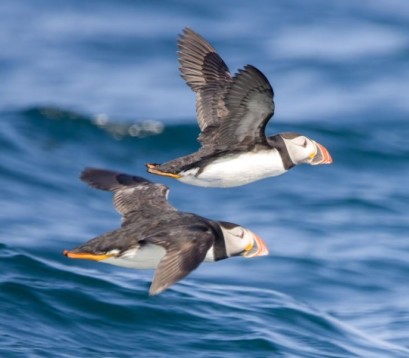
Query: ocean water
[[96, 83]]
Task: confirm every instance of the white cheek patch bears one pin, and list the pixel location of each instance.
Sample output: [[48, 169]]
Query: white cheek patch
[[237, 240], [298, 154]]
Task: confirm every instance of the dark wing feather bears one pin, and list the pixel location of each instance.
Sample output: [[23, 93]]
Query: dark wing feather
[[250, 105], [206, 74], [199, 62], [185, 248], [131, 193]]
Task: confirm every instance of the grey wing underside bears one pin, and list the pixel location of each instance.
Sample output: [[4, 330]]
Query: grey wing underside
[[131, 193], [231, 111], [186, 248], [250, 105]]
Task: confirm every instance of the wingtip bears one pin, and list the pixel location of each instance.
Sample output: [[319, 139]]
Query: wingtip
[[186, 29], [186, 32], [86, 173], [98, 178], [154, 291]]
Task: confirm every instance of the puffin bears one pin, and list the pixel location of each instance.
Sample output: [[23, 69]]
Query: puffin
[[232, 113], [154, 234]]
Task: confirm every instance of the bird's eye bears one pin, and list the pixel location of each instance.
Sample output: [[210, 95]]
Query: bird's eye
[[305, 143], [238, 232]]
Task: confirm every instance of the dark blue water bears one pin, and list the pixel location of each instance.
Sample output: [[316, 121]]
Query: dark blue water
[[96, 83]]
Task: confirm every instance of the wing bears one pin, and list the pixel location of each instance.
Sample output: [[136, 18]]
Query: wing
[[186, 248], [206, 74], [250, 105], [199, 62], [131, 193]]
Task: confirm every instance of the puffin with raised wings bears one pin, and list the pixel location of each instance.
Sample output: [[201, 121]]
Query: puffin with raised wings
[[154, 234], [232, 112]]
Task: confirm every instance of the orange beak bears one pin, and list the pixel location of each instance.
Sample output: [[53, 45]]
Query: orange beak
[[259, 248], [85, 255], [322, 156]]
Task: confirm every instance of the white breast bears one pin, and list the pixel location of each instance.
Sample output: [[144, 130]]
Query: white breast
[[145, 257], [236, 170]]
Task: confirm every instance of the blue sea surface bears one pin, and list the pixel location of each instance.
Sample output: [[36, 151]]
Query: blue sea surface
[[96, 83]]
